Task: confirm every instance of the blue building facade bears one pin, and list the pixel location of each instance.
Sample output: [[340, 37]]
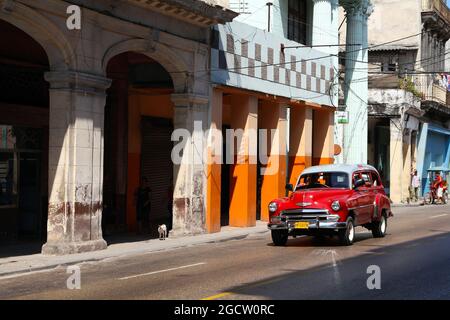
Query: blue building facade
[[433, 153]]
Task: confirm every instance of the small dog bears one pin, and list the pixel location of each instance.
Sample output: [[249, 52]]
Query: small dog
[[162, 230]]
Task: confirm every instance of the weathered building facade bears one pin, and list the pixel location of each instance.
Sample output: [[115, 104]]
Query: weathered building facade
[[134, 58], [89, 114], [399, 87], [408, 104], [271, 81]]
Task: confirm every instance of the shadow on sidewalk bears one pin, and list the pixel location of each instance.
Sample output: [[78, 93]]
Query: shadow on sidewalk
[[19, 248]]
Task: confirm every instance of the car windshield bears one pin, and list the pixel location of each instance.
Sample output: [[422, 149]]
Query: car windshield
[[323, 180]]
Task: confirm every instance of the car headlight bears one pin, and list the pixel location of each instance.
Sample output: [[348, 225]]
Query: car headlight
[[273, 206], [335, 205]]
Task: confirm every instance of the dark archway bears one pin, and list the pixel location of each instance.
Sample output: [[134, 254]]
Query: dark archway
[[24, 142], [138, 125]]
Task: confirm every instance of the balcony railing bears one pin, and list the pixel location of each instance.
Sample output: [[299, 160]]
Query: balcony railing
[[437, 6], [431, 91]]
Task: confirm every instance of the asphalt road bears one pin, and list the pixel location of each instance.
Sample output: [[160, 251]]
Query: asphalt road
[[414, 262]]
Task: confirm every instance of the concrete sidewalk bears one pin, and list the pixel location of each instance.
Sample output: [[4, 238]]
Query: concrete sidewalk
[[411, 204], [17, 265]]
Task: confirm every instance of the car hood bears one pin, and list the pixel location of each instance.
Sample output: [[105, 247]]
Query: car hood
[[317, 197]]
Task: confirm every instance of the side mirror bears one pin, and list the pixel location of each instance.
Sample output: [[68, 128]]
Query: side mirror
[[289, 187], [359, 183]]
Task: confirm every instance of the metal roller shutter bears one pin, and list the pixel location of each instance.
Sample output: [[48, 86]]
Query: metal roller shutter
[[156, 164]]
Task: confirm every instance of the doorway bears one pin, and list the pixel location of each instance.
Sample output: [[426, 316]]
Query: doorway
[[225, 183]]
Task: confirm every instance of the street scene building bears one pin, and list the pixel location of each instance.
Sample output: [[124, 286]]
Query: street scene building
[[407, 107], [224, 149], [107, 96], [91, 110]]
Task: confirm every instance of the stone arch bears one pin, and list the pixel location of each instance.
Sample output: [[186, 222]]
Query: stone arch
[[169, 59], [46, 33]]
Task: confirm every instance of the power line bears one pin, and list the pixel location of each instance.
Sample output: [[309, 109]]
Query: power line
[[414, 63], [310, 59]]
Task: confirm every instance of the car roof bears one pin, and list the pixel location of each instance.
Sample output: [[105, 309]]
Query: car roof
[[347, 168]]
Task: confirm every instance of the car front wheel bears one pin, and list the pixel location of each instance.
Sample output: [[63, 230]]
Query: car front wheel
[[347, 235], [279, 237], [379, 227]]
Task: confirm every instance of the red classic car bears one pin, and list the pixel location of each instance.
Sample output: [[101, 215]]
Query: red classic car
[[331, 200]]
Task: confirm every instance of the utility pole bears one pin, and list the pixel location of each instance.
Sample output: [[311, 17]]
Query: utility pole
[[268, 4]]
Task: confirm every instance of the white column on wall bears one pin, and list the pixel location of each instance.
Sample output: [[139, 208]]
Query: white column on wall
[[338, 134], [355, 88], [334, 40], [322, 20]]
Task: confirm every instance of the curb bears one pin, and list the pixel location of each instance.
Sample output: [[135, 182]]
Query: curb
[[30, 270]]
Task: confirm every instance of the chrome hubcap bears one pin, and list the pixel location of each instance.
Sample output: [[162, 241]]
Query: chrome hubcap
[[351, 232], [383, 225]]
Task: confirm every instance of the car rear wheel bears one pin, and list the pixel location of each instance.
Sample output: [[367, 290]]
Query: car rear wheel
[[380, 227], [347, 235], [279, 237]]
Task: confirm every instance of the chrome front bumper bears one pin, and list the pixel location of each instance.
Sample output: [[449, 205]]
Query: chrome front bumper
[[312, 225], [316, 222]]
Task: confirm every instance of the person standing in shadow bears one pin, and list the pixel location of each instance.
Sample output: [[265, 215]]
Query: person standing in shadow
[[143, 205]]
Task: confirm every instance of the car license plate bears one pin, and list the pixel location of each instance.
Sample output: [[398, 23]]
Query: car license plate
[[301, 225]]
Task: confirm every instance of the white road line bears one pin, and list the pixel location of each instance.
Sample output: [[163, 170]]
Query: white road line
[[438, 216], [161, 271]]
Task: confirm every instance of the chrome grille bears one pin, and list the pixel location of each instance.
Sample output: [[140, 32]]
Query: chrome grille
[[304, 215]]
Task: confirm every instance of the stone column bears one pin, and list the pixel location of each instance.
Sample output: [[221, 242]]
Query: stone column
[[396, 160], [77, 103], [355, 88], [190, 117], [407, 163], [214, 165]]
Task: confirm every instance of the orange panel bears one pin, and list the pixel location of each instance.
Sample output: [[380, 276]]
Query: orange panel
[[296, 166], [213, 198], [273, 186], [243, 195], [320, 161]]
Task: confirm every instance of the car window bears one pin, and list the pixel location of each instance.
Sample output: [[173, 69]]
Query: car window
[[323, 180], [356, 176], [367, 177], [376, 179]]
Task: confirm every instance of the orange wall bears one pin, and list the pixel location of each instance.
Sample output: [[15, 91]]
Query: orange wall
[[300, 141], [323, 146], [273, 116], [141, 103], [243, 181]]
